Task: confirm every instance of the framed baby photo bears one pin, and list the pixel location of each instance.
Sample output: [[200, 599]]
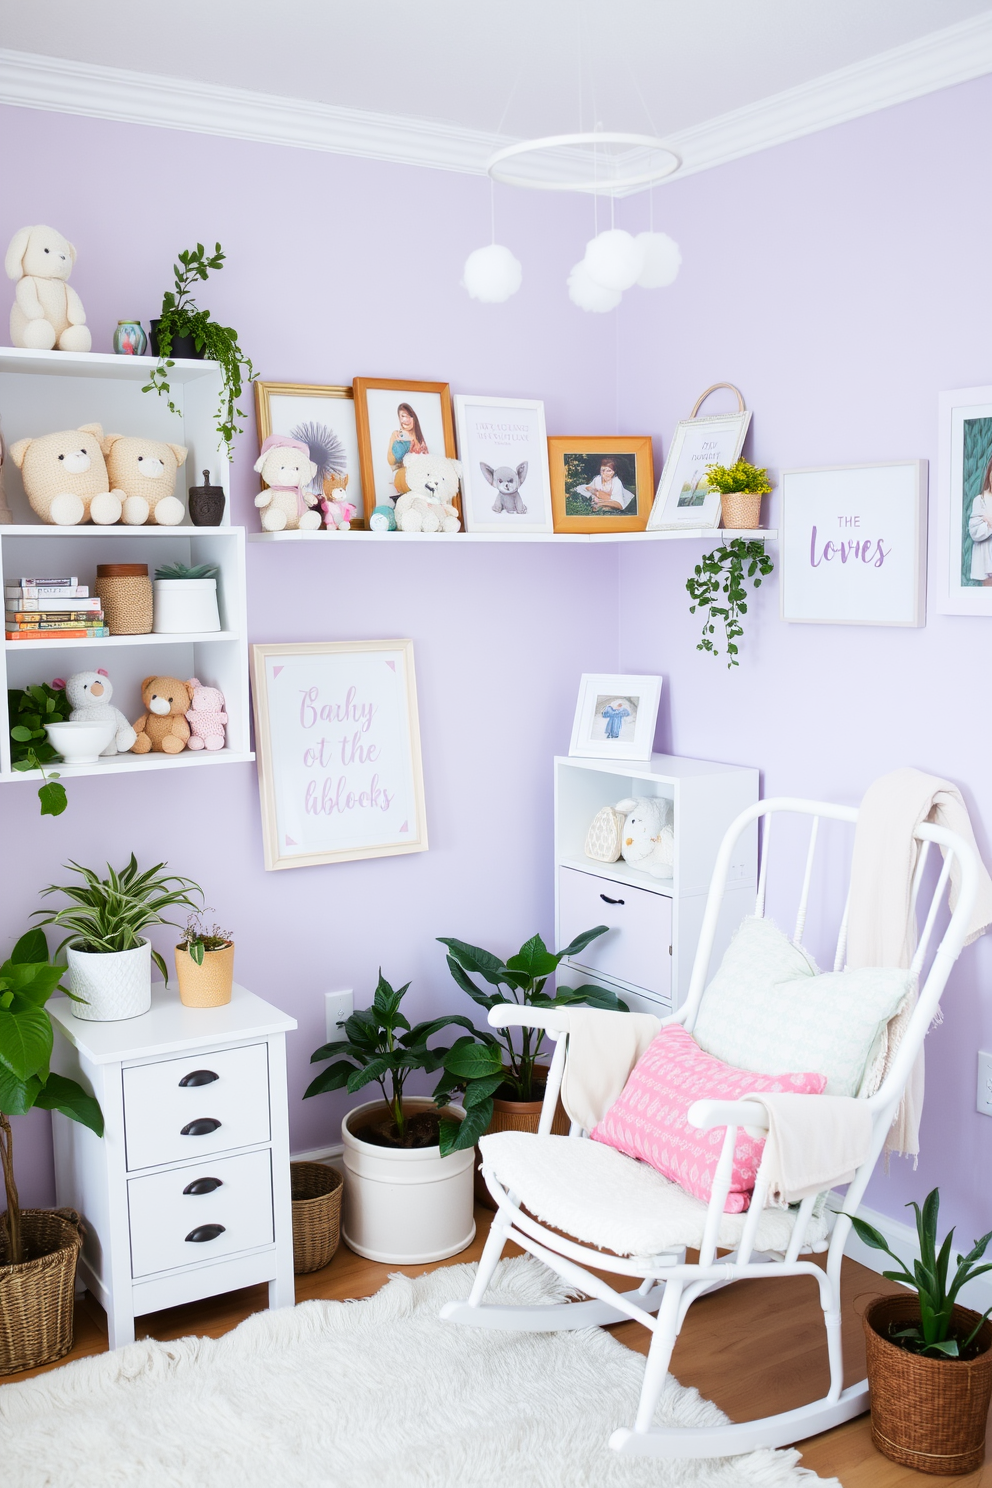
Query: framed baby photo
[[503, 448], [601, 485], [322, 418], [684, 498], [396, 419], [964, 511], [615, 717]]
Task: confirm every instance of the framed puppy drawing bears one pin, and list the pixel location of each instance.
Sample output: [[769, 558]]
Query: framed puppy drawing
[[503, 447]]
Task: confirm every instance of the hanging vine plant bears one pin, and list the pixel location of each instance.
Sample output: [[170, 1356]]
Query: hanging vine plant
[[718, 587]]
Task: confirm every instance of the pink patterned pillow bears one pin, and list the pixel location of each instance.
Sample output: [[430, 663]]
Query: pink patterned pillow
[[649, 1118]]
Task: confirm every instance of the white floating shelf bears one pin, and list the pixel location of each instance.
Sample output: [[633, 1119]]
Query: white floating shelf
[[119, 530], [100, 364], [132, 764], [360, 535], [121, 640]]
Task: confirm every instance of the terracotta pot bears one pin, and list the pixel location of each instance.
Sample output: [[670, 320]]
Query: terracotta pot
[[513, 1115], [208, 985], [740, 509], [926, 1413]]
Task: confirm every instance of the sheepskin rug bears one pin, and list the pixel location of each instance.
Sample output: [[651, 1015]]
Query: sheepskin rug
[[372, 1394]]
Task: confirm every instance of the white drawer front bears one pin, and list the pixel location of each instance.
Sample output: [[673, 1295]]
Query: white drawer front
[[166, 1121], [232, 1211], [637, 948]]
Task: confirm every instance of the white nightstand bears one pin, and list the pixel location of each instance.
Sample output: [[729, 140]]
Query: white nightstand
[[187, 1194]]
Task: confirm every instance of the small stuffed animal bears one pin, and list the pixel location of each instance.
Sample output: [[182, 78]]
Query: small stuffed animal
[[648, 838], [507, 483], [206, 716], [46, 313], [338, 515], [287, 469], [145, 470], [162, 727], [383, 518], [65, 477], [89, 694], [427, 505]]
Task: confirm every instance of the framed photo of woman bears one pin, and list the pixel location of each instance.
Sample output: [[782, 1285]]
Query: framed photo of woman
[[601, 485], [964, 541], [396, 419], [323, 418], [503, 447]]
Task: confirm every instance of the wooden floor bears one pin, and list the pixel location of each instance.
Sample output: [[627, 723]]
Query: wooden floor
[[721, 1351]]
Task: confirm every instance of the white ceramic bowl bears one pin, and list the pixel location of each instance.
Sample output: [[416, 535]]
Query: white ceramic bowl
[[81, 743]]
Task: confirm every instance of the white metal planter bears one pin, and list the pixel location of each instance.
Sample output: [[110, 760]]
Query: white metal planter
[[116, 984], [185, 606], [405, 1205]]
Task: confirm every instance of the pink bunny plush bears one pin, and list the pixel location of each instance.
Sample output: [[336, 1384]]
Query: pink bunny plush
[[206, 717]]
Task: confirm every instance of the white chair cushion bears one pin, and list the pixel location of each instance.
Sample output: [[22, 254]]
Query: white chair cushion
[[603, 1198]]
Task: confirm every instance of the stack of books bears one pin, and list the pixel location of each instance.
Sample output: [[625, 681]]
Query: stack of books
[[52, 610]]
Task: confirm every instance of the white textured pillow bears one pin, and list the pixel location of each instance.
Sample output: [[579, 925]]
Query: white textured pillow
[[767, 1009]]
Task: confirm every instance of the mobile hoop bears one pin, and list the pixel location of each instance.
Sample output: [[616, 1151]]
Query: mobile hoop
[[606, 178]]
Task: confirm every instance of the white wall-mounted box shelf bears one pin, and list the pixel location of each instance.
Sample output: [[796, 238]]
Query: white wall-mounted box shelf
[[360, 535]]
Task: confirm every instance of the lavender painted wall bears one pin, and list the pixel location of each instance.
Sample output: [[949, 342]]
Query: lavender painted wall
[[839, 281]]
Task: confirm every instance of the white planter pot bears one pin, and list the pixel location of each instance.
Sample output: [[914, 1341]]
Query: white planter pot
[[115, 985], [81, 742], [185, 606], [405, 1205]]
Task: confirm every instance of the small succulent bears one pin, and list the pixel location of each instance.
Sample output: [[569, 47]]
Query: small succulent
[[183, 571]]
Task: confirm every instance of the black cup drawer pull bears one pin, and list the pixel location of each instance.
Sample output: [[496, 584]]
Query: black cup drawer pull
[[203, 1186], [205, 1232], [199, 1077], [607, 900], [201, 1127]]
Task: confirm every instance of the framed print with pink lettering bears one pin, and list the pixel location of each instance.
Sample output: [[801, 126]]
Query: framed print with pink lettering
[[338, 744], [964, 528], [854, 544]]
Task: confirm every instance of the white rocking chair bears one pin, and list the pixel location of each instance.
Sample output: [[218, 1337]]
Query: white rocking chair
[[764, 1242]]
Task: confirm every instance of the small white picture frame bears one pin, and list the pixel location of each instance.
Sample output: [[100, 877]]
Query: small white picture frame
[[615, 716], [964, 503], [503, 448], [684, 499], [854, 544]]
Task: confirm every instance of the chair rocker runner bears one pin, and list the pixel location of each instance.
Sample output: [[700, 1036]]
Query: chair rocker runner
[[764, 1242]]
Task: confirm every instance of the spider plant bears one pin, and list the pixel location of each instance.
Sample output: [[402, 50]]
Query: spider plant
[[109, 914]]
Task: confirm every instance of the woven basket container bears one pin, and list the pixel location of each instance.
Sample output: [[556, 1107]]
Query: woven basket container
[[36, 1297], [926, 1413], [316, 1214], [208, 985], [125, 592], [741, 509]]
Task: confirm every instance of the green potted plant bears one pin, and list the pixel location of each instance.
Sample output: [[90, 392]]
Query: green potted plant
[[29, 710], [204, 964], [183, 330], [185, 599], [929, 1359], [404, 1200], [724, 575], [109, 958], [741, 488], [38, 1247]]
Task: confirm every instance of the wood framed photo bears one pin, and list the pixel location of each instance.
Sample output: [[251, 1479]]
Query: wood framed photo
[[324, 419], [601, 485], [338, 743], [396, 419], [503, 447], [684, 497], [854, 544], [615, 717], [964, 528]]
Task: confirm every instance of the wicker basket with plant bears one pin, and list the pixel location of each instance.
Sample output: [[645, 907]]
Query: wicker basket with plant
[[205, 964], [741, 488]]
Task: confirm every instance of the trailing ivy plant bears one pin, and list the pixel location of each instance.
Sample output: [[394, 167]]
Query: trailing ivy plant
[[719, 588], [29, 709]]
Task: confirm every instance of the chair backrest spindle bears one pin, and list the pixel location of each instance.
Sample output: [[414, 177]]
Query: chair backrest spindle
[[807, 876]]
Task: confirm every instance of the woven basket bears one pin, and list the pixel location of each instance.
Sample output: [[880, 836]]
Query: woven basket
[[209, 985], [741, 509], [316, 1214], [125, 592], [523, 1116], [36, 1297], [926, 1413]]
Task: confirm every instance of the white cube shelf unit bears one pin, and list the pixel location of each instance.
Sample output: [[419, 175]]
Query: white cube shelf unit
[[647, 955]]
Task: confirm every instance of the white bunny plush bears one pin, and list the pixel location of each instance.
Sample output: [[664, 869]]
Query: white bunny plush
[[648, 837], [89, 694]]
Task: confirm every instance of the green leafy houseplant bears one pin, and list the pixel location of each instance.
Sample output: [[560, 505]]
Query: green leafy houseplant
[[183, 571], [741, 476], [197, 939], [29, 709], [181, 317], [484, 1066], [934, 1335], [719, 588], [27, 981]]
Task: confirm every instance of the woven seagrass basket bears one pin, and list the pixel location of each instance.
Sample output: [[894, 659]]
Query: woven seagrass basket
[[316, 1214], [125, 592], [36, 1297], [741, 509], [926, 1413]]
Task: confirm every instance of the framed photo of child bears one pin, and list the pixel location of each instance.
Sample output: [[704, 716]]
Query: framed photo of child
[[396, 419], [615, 717], [601, 485]]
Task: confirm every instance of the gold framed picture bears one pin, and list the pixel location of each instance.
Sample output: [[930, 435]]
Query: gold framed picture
[[322, 418], [396, 419], [601, 485]]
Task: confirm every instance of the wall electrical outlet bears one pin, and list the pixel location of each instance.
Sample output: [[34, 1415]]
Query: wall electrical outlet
[[984, 1100], [338, 1006]]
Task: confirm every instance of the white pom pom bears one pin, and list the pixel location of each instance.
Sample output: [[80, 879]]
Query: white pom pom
[[492, 274], [614, 259], [589, 295], [661, 260]]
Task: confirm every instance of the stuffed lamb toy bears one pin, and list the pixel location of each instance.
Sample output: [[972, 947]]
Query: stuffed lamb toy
[[648, 838], [89, 695]]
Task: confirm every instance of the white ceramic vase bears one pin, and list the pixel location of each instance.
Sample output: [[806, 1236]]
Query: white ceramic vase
[[185, 606], [405, 1205], [83, 741], [115, 984]]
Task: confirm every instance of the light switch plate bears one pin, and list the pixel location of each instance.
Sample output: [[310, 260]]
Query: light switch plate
[[338, 1006], [983, 1101]]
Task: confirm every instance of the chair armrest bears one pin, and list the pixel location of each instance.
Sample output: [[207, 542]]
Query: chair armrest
[[554, 1021], [705, 1114]]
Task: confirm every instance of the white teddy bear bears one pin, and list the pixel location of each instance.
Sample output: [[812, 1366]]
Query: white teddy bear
[[648, 837], [46, 313], [287, 469], [89, 695], [428, 503]]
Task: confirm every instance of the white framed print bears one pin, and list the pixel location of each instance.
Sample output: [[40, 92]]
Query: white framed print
[[503, 448], [854, 544], [964, 506], [684, 498], [338, 744], [615, 717]]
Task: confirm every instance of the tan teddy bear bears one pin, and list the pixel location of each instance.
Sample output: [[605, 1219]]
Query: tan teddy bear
[[287, 470], [163, 727], [46, 313], [145, 470], [65, 477]]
